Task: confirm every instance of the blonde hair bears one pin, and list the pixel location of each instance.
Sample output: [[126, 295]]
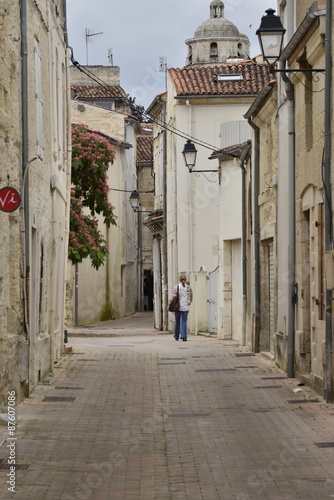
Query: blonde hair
[[183, 277]]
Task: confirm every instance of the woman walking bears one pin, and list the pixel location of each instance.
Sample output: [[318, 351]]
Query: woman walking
[[185, 298]]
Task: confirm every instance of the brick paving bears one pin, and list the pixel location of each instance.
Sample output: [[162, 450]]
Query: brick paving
[[146, 417]]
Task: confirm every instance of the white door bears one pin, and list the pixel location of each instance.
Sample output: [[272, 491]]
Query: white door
[[236, 290], [213, 304], [157, 296]]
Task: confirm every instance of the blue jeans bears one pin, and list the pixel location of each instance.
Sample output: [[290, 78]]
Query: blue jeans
[[178, 316]]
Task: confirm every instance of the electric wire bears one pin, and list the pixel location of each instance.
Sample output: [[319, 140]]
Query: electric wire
[[127, 100]]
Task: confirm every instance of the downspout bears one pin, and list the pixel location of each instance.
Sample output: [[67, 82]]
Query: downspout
[[328, 198], [244, 257], [69, 166], [256, 233], [243, 240], [25, 163], [165, 234], [291, 191], [190, 200]]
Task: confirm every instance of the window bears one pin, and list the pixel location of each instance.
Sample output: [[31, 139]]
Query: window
[[213, 52]]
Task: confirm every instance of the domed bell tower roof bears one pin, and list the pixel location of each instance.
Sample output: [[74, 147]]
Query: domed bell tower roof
[[217, 39]]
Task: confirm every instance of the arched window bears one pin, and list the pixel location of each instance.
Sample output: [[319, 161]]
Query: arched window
[[213, 52], [190, 55]]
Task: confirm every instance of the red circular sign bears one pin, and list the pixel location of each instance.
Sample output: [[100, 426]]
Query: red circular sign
[[9, 199]]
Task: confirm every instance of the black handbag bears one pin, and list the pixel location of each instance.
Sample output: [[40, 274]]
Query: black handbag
[[174, 304]]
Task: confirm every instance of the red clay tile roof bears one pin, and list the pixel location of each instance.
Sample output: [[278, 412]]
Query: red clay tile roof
[[144, 148], [97, 92], [202, 80]]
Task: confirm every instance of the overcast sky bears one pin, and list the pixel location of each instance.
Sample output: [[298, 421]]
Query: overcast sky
[[139, 32]]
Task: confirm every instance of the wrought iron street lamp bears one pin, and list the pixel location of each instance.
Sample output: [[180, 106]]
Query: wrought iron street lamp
[[134, 200], [189, 154], [271, 34]]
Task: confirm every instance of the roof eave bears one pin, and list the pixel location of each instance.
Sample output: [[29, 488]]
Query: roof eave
[[258, 102]]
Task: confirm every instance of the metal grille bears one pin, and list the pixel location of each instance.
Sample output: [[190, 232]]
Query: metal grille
[[188, 415], [217, 370], [6, 465], [59, 399], [172, 359], [245, 354], [172, 363], [267, 387], [250, 366], [273, 378], [329, 444], [69, 388], [297, 401]]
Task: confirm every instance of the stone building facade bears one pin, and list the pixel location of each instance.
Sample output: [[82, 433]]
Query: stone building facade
[[293, 280], [116, 289], [34, 145]]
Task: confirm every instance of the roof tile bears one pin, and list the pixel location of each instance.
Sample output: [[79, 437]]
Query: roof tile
[[97, 92], [203, 81]]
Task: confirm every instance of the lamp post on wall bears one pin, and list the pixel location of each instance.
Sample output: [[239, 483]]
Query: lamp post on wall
[[271, 35], [190, 155]]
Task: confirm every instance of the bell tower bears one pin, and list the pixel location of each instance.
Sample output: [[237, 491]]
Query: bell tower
[[217, 40]]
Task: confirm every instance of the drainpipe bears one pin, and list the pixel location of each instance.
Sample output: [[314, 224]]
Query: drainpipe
[[256, 233], [243, 239], [328, 196], [291, 188], [25, 163], [191, 223], [165, 234], [244, 258]]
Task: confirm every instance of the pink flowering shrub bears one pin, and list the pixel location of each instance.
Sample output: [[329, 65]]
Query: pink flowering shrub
[[91, 155]]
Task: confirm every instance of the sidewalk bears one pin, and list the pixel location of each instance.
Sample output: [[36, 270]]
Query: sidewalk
[[135, 415]]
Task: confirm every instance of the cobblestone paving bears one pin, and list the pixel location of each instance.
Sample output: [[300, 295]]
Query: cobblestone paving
[[140, 416]]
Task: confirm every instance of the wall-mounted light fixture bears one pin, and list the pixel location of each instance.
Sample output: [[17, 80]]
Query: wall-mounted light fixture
[[189, 154], [271, 34], [134, 200]]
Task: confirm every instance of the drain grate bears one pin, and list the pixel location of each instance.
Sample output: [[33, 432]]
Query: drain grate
[[267, 387], [329, 444], [172, 359], [6, 466], [217, 370], [188, 415], [58, 399], [273, 378], [172, 363], [244, 354], [250, 366], [71, 388], [298, 401], [86, 359]]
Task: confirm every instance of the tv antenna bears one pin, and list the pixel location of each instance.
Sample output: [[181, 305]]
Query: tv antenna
[[88, 36], [110, 57], [163, 67]]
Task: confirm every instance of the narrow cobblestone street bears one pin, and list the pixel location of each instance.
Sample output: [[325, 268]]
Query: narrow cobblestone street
[[132, 414]]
